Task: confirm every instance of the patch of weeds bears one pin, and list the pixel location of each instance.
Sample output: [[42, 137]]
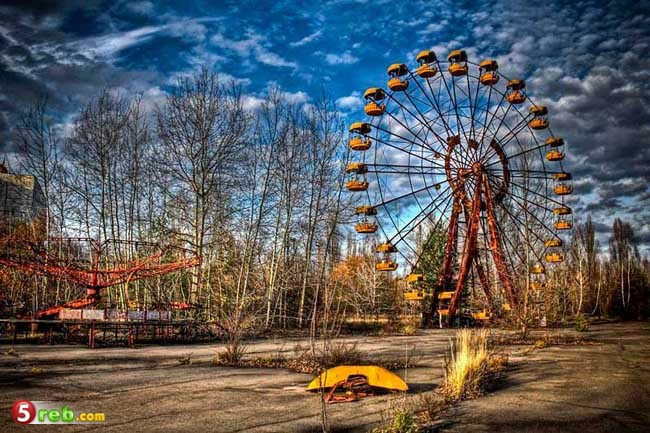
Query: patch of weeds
[[277, 360], [410, 326], [36, 371], [428, 407], [339, 353], [12, 352], [232, 355], [311, 361], [547, 339], [185, 360], [470, 365], [539, 344], [402, 421], [582, 324]]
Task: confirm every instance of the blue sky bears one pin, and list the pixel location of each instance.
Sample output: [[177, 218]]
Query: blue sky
[[589, 62]]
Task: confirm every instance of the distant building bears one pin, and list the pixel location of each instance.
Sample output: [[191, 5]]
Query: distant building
[[21, 197]]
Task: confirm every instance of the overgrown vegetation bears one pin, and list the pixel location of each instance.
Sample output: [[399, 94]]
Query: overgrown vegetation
[[471, 368]]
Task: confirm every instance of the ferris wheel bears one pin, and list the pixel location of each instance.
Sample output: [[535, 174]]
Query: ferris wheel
[[456, 148]]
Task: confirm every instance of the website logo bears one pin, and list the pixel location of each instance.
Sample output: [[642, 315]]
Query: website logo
[[52, 412]]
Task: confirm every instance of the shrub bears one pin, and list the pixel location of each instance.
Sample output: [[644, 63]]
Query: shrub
[[232, 354]]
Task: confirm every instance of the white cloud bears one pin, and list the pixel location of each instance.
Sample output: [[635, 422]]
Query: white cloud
[[141, 8], [433, 28], [296, 97], [307, 39], [251, 103], [109, 45], [254, 45], [350, 103], [345, 58]]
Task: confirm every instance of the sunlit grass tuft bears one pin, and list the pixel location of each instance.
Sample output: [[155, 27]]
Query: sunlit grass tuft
[[469, 365]]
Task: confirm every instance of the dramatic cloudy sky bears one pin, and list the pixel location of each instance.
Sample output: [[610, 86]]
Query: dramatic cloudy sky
[[589, 62]]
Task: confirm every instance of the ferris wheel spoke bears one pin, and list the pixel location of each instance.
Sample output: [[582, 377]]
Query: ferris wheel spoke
[[410, 179], [522, 125], [516, 200], [410, 226], [434, 102], [517, 223], [548, 176], [389, 144], [461, 127], [402, 237], [435, 229], [409, 170], [427, 179], [421, 143], [552, 200], [473, 106], [534, 176], [523, 152], [425, 122], [397, 168], [487, 124], [528, 200], [484, 124], [521, 233], [452, 99], [510, 247], [520, 172], [410, 193]]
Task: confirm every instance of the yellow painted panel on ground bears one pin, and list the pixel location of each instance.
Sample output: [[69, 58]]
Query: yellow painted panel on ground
[[376, 376]]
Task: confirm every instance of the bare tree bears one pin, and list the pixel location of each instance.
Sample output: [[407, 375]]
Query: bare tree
[[203, 130]]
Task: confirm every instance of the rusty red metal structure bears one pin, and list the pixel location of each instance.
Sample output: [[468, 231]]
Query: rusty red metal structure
[[94, 266]]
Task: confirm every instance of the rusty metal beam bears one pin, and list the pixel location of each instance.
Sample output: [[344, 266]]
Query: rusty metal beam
[[469, 248], [496, 248]]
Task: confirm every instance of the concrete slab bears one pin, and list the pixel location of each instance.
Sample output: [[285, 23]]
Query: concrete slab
[[148, 390]]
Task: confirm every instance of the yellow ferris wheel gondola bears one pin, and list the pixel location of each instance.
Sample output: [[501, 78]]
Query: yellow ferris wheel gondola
[[396, 82]]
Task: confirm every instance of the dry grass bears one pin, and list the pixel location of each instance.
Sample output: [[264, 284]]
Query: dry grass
[[310, 360], [470, 365]]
